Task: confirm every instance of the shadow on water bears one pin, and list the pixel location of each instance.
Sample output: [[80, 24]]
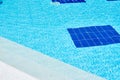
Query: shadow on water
[[1, 2]]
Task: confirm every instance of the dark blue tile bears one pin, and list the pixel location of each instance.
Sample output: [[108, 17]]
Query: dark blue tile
[[68, 1], [99, 35], [110, 41], [76, 31], [94, 36], [82, 30], [103, 41], [107, 27], [97, 42], [80, 36], [104, 35], [84, 43], [99, 28], [94, 29], [78, 44], [115, 33], [74, 37], [112, 33], [89, 29], [91, 43], [86, 36], [116, 39], [113, 0], [70, 30]]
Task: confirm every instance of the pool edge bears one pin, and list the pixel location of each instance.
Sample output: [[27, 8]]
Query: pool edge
[[47, 68]]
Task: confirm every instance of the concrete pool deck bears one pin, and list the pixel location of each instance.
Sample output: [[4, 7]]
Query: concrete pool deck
[[38, 65]]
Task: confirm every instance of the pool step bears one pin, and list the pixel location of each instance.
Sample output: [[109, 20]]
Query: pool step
[[38, 65]]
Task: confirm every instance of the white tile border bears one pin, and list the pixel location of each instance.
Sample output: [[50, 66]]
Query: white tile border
[[39, 65]]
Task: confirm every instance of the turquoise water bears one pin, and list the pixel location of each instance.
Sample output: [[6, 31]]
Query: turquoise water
[[42, 26]]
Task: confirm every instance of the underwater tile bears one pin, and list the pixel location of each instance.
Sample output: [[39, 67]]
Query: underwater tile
[[94, 36], [68, 1], [113, 0]]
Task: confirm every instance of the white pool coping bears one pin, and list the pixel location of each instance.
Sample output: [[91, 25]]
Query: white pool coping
[[39, 65], [8, 72]]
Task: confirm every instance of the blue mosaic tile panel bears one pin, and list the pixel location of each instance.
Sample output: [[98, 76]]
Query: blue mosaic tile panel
[[113, 0], [94, 36], [68, 1]]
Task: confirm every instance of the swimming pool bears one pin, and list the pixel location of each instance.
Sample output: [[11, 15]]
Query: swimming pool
[[42, 26]]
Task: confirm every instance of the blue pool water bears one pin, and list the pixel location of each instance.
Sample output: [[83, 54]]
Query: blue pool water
[[42, 26]]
